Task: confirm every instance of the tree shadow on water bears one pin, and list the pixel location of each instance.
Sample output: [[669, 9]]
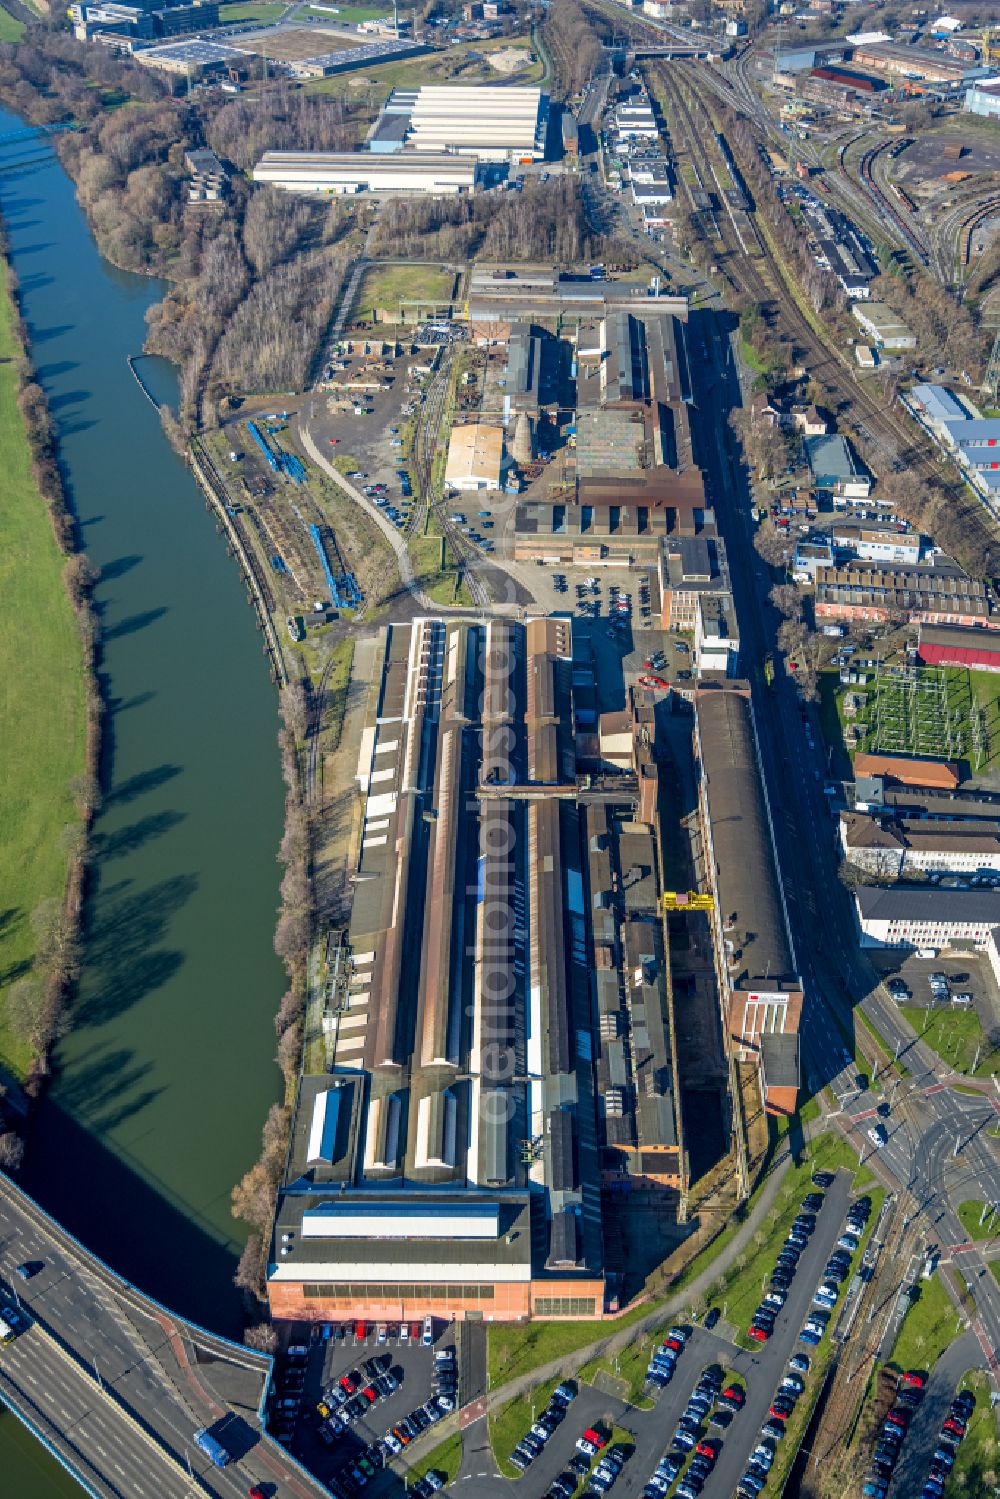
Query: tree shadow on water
[[139, 784], [104, 1087], [133, 623], [129, 840], [122, 938]]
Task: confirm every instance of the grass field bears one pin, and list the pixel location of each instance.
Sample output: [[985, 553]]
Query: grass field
[[41, 699], [385, 286], [445, 1458], [956, 1036], [11, 30], [930, 1325], [969, 1214], [264, 11]]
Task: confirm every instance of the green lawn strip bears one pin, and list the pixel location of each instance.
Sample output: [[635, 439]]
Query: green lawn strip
[[445, 1458], [955, 1035], [976, 1461], [265, 11], [928, 1327], [969, 1214], [511, 1422], [742, 1285], [795, 1427], [891, 1064], [41, 699], [11, 30], [514, 1350]]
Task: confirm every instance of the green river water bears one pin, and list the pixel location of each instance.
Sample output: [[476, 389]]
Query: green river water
[[164, 1082]]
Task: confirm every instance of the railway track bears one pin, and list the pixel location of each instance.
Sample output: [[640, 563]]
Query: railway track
[[988, 209], [884, 205], [316, 729], [763, 281], [424, 446]]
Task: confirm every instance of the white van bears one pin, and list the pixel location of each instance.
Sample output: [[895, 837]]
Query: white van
[[427, 1336]]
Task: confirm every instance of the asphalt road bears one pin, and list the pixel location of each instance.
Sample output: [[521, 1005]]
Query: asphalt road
[[921, 1438], [120, 1385], [928, 1119]]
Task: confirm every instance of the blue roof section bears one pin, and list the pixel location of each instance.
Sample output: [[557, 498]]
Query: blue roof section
[[830, 455], [981, 431], [938, 403]]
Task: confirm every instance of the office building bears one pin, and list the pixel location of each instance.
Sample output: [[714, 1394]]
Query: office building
[[891, 848], [917, 916]]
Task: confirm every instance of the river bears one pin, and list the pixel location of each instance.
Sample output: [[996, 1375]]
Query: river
[[162, 1086]]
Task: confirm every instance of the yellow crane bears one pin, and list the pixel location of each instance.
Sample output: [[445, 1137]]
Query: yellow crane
[[687, 900], [991, 49]]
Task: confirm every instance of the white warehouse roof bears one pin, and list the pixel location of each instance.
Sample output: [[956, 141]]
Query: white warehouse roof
[[396, 1220], [361, 171], [493, 122]]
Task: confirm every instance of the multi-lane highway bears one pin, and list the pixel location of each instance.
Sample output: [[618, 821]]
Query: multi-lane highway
[[117, 1386]]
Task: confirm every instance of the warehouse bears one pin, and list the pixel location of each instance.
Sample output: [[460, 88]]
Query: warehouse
[[465, 1104], [475, 457], [918, 64], [926, 916], [833, 467], [916, 595], [906, 770], [491, 122], [977, 649], [755, 960], [883, 326], [343, 172], [984, 99]]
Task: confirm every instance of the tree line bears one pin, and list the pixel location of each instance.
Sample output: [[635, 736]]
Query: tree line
[[38, 1004]]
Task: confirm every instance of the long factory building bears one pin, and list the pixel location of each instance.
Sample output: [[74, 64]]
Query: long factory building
[[755, 959], [500, 1051], [336, 173]]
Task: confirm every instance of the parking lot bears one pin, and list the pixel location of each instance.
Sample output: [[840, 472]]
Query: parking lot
[[964, 974], [335, 1352]]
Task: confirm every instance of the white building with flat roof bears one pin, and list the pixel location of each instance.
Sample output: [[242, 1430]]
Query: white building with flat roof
[[340, 172], [495, 123]]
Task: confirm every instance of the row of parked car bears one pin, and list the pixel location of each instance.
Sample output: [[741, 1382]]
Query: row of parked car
[[837, 1270], [786, 1264], [708, 1405], [663, 1361], [909, 1393], [362, 1467], [950, 1438], [791, 1387], [532, 1443]]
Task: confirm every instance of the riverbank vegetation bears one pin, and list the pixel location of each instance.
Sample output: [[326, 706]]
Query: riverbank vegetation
[[255, 1194], [51, 716]]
